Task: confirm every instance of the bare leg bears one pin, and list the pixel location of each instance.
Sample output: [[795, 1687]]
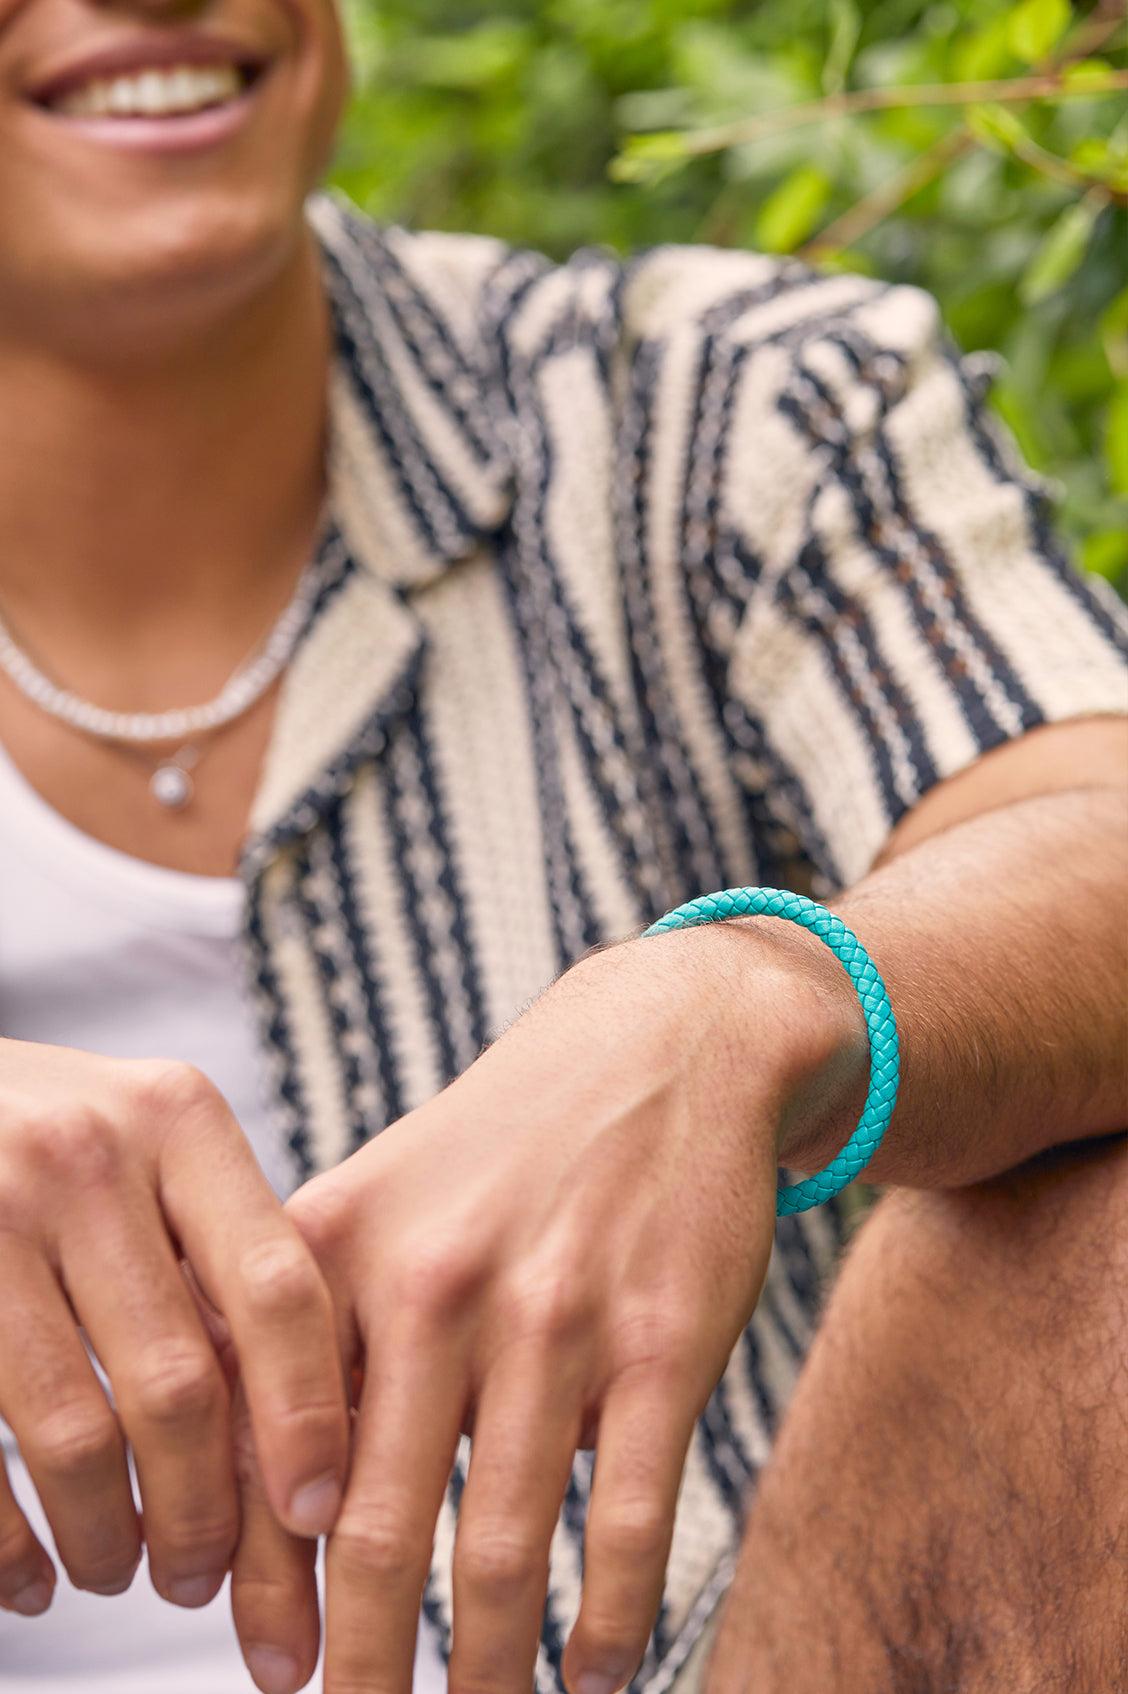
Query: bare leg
[[947, 1509]]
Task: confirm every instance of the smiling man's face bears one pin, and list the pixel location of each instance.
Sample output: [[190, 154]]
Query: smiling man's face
[[154, 154]]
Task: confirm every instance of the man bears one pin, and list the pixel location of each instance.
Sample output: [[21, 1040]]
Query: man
[[627, 584]]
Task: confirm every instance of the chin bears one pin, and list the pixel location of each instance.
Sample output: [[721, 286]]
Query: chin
[[171, 273], [148, 191], [184, 262]]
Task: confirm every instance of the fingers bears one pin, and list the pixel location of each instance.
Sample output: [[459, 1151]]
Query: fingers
[[254, 1267], [171, 1397], [273, 1582], [526, 1427], [27, 1576], [67, 1433], [378, 1556], [639, 1459]]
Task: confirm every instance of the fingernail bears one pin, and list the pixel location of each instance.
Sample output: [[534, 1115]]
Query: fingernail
[[274, 1672], [314, 1508], [109, 1589], [32, 1600], [596, 1682], [193, 1591]]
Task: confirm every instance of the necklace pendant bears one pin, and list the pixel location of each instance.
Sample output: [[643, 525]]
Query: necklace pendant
[[171, 786]]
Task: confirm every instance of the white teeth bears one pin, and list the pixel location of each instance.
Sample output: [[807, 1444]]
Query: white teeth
[[154, 93]]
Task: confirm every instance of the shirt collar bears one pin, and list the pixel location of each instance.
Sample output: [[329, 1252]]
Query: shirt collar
[[419, 475], [420, 470]]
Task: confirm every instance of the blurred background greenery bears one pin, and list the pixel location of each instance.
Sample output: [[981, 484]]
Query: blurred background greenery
[[978, 148]]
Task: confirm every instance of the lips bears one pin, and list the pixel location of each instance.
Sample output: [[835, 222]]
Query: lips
[[173, 75], [153, 93]]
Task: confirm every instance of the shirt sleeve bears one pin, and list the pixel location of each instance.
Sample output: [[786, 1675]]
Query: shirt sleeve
[[874, 578]]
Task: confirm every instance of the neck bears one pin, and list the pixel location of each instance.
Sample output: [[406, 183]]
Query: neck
[[154, 516]]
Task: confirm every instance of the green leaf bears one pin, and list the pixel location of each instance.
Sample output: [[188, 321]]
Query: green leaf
[[986, 53], [1105, 553], [1034, 26], [845, 28], [1023, 422], [649, 158], [997, 127], [365, 40], [1062, 250], [1116, 439], [1097, 158], [1091, 154], [471, 60], [1114, 334], [1084, 71], [843, 261], [789, 215]]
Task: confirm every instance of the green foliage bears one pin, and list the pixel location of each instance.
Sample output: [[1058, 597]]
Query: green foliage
[[791, 211], [1035, 26], [840, 129]]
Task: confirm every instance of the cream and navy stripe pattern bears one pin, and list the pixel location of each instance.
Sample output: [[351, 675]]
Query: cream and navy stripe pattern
[[638, 581]]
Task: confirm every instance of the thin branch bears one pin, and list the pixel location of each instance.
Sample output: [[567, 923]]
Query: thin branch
[[1040, 159], [890, 196], [1094, 32], [1001, 90]]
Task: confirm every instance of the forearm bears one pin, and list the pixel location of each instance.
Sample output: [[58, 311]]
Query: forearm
[[1003, 943]]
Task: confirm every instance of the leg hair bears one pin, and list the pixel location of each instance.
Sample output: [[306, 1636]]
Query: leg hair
[[947, 1508]]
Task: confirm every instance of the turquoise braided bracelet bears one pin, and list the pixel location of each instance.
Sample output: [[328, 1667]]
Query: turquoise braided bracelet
[[884, 1063]]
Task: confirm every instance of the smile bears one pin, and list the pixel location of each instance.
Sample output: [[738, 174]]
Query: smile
[[156, 91]]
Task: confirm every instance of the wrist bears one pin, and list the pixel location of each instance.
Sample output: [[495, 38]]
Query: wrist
[[821, 1040], [780, 1006]]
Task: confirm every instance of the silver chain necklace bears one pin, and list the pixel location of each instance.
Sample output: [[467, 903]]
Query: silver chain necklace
[[171, 785]]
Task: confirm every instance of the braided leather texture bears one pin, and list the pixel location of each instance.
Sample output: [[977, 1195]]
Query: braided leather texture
[[884, 1057]]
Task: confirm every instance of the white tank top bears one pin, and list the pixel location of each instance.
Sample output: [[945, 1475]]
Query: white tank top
[[107, 953]]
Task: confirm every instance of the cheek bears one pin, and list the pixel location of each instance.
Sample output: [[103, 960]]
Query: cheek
[[324, 78], [331, 86]]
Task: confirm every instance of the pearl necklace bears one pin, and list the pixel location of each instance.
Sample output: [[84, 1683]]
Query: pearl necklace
[[170, 783]]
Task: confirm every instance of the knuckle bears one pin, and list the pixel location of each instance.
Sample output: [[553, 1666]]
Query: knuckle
[[632, 1533], [321, 1213], [261, 1593], [177, 1384], [314, 1425], [75, 1145], [375, 1549], [193, 1542], [73, 1441], [17, 1549], [495, 1563], [279, 1279], [264, 1601], [433, 1279], [167, 1090], [662, 1339], [544, 1305]]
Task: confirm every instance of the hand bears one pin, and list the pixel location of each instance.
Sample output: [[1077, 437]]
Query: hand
[[561, 1249], [112, 1176]]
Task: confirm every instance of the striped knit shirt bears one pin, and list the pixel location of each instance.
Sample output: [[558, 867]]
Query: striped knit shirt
[[638, 581]]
